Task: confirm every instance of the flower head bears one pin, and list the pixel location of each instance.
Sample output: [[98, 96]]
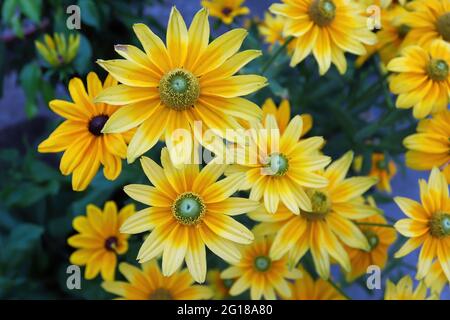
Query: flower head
[[422, 78], [99, 241], [436, 280], [328, 28], [80, 135], [169, 88], [257, 271], [147, 283], [58, 51], [404, 290], [384, 170], [226, 10], [220, 287], [188, 210], [272, 30], [430, 146], [427, 225], [328, 224]]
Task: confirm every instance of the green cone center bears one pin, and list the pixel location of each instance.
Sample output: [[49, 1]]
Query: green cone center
[[438, 69], [440, 225], [443, 26], [372, 238], [161, 294], [188, 209], [320, 205], [381, 164], [278, 164], [322, 12], [262, 263], [179, 89]]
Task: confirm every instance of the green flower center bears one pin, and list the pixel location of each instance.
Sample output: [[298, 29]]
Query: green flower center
[[96, 124], [320, 205], [179, 89], [372, 238], [381, 164], [322, 12], [111, 243], [228, 283], [262, 263], [440, 225], [438, 69], [188, 208], [161, 294], [443, 26], [278, 164]]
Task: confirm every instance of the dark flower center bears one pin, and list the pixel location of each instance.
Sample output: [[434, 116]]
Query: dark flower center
[[440, 225], [111, 243], [227, 11], [262, 263], [438, 69], [443, 26], [320, 205], [403, 30], [372, 238], [322, 12], [161, 294], [96, 124]]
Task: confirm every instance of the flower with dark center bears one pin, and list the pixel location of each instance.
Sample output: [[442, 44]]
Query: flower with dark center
[[443, 26], [262, 263], [226, 11], [440, 225], [188, 208], [111, 243], [320, 205], [179, 89], [438, 69], [372, 238], [96, 124], [322, 12], [161, 294]]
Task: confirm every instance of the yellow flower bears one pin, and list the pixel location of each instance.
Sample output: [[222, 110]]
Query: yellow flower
[[280, 171], [422, 78], [328, 28], [58, 50], [272, 30], [430, 146], [225, 10], [282, 115], [220, 287], [379, 238], [329, 223], [383, 170], [435, 279], [168, 89], [307, 288], [85, 146], [427, 225], [263, 275], [188, 210], [99, 241], [149, 284], [429, 20], [404, 290]]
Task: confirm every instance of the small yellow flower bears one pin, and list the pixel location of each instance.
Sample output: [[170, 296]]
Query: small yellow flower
[[99, 241], [149, 284], [329, 223], [306, 288], [327, 28], [427, 225], [430, 146], [404, 290], [225, 10], [429, 20], [272, 30], [58, 50], [219, 286], [383, 170], [188, 210], [282, 115], [257, 271], [436, 280], [80, 135], [379, 238], [422, 78]]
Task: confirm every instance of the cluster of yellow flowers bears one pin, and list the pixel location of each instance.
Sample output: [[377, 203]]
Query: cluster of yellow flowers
[[302, 200]]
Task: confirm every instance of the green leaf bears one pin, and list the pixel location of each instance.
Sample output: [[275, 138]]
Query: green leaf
[[89, 13], [8, 8], [32, 9], [16, 25], [30, 80]]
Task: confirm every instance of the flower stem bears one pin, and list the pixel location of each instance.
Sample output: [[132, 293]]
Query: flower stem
[[339, 289], [384, 225], [276, 54]]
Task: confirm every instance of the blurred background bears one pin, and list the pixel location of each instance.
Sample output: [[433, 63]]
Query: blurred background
[[37, 204]]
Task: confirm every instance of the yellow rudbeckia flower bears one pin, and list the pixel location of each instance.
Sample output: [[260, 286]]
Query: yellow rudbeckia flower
[[257, 271], [220, 287], [430, 146], [272, 30], [422, 78], [427, 225], [329, 223], [149, 284], [384, 170], [328, 28], [436, 280], [58, 50], [226, 10], [80, 135], [169, 88], [188, 210], [404, 290], [99, 241]]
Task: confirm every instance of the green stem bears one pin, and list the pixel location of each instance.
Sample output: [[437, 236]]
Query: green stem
[[276, 54], [338, 289], [384, 225]]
